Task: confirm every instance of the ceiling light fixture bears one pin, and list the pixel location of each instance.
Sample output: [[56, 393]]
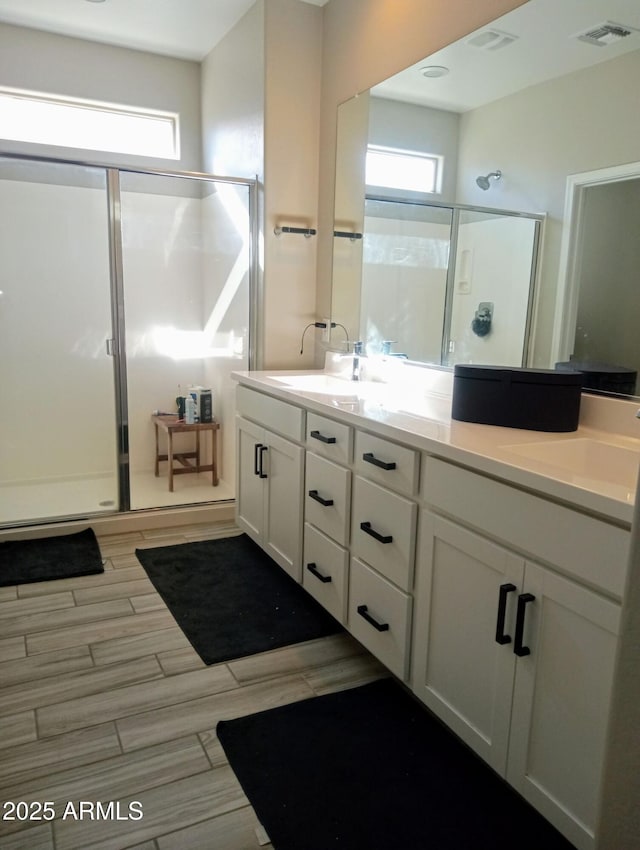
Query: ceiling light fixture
[[433, 71]]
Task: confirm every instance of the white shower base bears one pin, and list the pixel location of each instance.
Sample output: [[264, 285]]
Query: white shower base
[[147, 491], [37, 501]]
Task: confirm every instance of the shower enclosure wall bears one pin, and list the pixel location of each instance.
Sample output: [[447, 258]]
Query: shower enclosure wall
[[119, 290]]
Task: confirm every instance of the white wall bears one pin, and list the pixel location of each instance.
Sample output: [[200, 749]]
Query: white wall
[[496, 269], [260, 102], [45, 62], [418, 128], [293, 39]]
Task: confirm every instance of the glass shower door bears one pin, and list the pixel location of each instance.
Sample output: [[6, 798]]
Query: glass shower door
[[186, 281], [58, 452]]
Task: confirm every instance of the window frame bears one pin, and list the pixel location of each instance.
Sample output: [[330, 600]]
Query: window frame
[[103, 108], [419, 156]]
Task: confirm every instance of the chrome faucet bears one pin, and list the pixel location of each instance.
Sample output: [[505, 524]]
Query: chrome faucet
[[355, 368]]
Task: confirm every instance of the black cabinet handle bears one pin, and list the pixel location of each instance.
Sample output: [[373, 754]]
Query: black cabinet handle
[[523, 601], [381, 538], [364, 612], [505, 590], [369, 457], [313, 494], [318, 436], [314, 572], [256, 463], [261, 451]]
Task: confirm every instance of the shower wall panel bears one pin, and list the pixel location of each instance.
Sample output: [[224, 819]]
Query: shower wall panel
[[57, 416]]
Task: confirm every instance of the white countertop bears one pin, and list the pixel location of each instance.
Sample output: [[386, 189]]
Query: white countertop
[[598, 477]]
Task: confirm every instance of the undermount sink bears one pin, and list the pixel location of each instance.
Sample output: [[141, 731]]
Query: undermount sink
[[322, 383], [586, 458]]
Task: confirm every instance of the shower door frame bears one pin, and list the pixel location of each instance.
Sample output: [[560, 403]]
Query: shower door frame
[[117, 343], [456, 209]]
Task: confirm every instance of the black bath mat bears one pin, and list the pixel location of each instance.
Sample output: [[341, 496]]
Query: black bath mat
[[372, 768], [231, 599], [48, 558]]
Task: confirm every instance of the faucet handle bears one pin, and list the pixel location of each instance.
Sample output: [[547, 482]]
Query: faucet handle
[[386, 345]]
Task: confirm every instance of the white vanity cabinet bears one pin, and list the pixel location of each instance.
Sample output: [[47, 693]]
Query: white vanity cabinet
[[270, 472], [516, 656]]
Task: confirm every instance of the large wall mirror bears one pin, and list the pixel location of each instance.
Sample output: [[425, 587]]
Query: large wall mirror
[[520, 245]]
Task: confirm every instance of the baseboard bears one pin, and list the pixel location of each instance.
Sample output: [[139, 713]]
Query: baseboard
[[127, 522]]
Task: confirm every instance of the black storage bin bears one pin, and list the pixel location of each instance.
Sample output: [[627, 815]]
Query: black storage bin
[[535, 399], [603, 377]]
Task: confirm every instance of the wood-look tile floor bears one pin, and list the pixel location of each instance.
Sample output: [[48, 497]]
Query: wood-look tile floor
[[102, 698]]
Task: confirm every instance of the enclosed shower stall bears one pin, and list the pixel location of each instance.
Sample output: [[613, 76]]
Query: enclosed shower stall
[[448, 283], [119, 290]]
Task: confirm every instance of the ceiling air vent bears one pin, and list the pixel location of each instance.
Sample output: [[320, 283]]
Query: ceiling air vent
[[492, 40], [605, 34]]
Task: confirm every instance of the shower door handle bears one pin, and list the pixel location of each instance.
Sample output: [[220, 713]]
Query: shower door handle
[[111, 347]]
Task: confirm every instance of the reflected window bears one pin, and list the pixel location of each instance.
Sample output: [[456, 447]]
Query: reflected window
[[411, 171], [91, 125]]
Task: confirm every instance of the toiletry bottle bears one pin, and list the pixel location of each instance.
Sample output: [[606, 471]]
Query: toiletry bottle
[[190, 411]]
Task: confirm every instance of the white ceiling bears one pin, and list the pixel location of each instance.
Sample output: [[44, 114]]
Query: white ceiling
[[187, 29], [545, 48]]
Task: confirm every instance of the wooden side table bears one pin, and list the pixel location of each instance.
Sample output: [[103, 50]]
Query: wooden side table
[[172, 425]]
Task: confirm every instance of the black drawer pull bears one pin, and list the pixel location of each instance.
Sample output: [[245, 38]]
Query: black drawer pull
[[324, 502], [381, 538], [261, 451], [505, 590], [256, 465], [369, 457], [314, 572], [518, 646], [318, 436], [364, 612]]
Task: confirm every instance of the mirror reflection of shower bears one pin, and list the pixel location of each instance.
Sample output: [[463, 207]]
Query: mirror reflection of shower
[[484, 181]]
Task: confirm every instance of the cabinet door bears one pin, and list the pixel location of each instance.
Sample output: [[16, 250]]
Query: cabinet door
[[459, 669], [561, 701], [250, 487], [283, 465]]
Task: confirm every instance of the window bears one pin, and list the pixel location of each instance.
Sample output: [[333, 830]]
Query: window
[[70, 122], [407, 170]]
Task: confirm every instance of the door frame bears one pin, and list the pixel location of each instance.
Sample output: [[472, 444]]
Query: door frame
[[568, 288]]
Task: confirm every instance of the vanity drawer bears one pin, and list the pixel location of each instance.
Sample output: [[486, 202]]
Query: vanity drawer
[[325, 571], [584, 547], [380, 617], [327, 497], [387, 463], [387, 540], [329, 438], [276, 415]]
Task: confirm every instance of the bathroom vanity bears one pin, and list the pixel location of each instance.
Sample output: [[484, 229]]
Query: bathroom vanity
[[484, 566]]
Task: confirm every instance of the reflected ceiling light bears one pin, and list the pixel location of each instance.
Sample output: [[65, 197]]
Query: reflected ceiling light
[[434, 71]]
